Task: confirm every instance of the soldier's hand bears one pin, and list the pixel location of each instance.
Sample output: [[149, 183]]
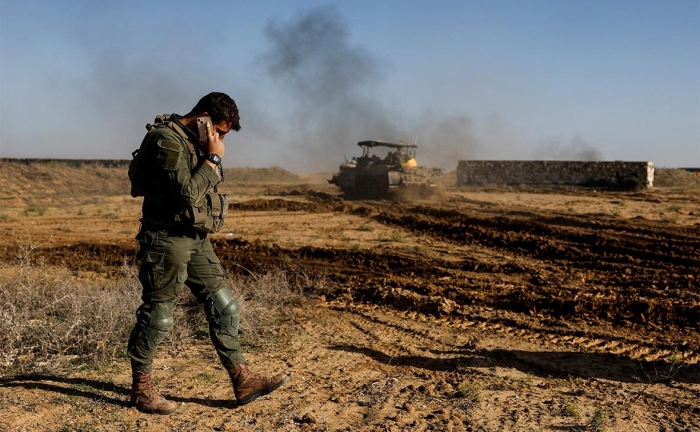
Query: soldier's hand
[[214, 143]]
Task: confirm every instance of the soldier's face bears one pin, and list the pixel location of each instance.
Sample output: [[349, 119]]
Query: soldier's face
[[222, 128]]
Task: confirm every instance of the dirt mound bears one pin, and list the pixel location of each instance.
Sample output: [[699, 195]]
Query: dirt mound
[[54, 178], [314, 202], [281, 205], [259, 175], [667, 177]]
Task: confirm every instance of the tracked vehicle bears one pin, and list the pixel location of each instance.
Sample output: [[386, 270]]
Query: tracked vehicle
[[395, 176]]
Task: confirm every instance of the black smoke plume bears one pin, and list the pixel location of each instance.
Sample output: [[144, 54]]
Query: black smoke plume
[[578, 149], [332, 87], [330, 84]]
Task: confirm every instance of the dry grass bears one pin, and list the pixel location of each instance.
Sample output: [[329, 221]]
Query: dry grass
[[264, 298], [58, 179], [52, 318]]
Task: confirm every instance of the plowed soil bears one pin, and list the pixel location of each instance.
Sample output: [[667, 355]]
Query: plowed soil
[[491, 309]]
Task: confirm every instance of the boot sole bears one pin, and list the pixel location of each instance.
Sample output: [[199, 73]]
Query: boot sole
[[148, 411], [251, 397]]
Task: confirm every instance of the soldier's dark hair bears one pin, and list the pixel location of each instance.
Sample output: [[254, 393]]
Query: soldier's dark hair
[[220, 107]]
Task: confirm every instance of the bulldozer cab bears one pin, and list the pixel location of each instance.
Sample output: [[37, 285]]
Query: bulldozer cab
[[409, 149], [400, 154]]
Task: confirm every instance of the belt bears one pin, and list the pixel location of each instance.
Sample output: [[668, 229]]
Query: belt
[[172, 230]]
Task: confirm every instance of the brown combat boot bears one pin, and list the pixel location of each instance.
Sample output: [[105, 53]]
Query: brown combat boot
[[146, 398], [248, 386]]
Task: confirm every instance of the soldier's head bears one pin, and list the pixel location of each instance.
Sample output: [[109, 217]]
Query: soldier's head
[[221, 108]]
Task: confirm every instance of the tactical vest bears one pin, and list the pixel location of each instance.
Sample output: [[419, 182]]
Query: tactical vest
[[207, 215]]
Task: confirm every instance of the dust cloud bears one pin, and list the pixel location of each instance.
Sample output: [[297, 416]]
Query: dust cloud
[[452, 139]]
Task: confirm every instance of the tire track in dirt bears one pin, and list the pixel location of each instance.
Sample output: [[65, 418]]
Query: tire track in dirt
[[577, 239], [403, 339], [628, 345], [606, 341], [658, 270]]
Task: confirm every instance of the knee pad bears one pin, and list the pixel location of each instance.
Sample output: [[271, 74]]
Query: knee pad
[[154, 321], [227, 308], [162, 316]]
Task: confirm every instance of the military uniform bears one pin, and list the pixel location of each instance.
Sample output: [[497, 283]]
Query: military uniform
[[174, 249]]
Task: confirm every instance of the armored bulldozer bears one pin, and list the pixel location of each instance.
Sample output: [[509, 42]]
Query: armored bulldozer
[[395, 176]]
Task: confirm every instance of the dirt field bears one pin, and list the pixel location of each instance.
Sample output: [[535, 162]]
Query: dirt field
[[492, 309]]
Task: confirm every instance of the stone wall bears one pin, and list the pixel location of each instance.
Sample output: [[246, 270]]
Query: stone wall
[[554, 172]]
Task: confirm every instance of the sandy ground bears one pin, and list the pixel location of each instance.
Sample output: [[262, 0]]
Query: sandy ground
[[492, 309]]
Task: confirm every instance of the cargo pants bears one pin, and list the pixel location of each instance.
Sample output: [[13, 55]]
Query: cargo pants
[[171, 260]]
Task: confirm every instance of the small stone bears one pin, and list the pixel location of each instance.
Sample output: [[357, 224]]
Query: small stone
[[308, 418]]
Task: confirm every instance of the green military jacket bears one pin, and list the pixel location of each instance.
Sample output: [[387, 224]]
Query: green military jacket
[[176, 177]]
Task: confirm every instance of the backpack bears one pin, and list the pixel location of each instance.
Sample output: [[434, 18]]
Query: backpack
[[137, 175]]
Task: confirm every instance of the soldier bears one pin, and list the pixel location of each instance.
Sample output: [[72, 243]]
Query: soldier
[[177, 170]]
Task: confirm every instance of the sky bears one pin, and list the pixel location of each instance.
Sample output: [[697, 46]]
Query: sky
[[467, 79]]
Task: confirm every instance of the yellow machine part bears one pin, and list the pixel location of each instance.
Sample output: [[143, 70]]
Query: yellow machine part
[[411, 163]]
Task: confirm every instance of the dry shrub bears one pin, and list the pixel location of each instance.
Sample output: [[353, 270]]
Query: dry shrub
[[50, 317], [264, 298]]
